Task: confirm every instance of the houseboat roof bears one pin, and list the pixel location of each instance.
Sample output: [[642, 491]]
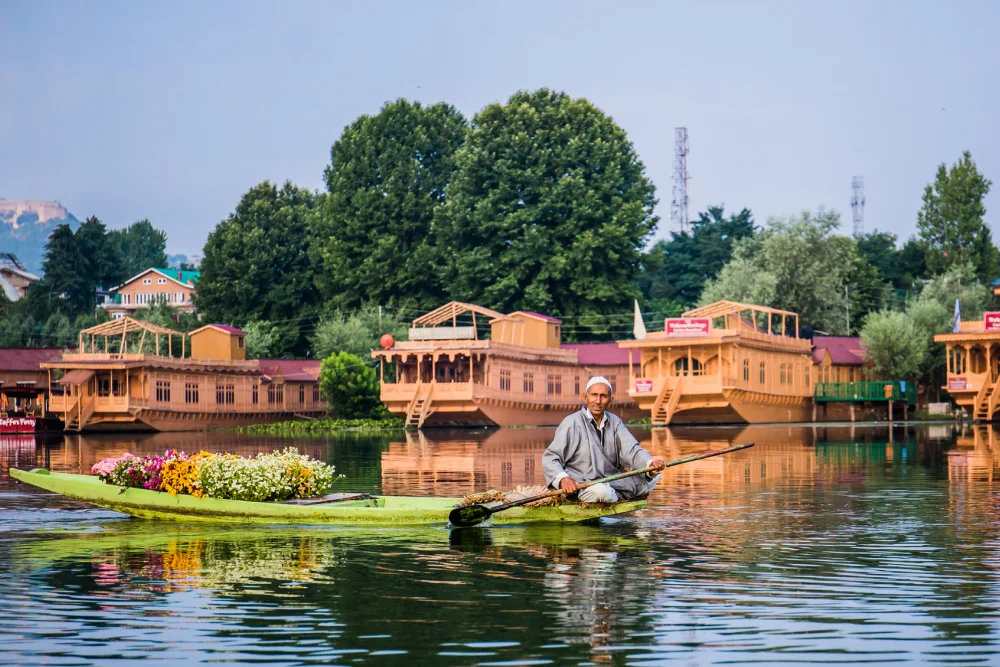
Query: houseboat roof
[[720, 308], [843, 350], [124, 325], [292, 370], [537, 316], [27, 359], [602, 354], [450, 311], [220, 327]]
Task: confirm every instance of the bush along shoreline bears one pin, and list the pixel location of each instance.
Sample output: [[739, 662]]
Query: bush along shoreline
[[311, 426]]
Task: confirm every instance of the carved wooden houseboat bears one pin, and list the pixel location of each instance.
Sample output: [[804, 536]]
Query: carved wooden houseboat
[[133, 375], [447, 373], [726, 362]]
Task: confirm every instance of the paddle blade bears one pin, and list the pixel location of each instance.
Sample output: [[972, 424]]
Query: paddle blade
[[463, 517]]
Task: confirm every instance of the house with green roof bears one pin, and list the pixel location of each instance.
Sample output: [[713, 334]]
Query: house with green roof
[[153, 286]]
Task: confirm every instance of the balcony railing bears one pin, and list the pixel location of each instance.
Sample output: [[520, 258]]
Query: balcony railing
[[857, 392]]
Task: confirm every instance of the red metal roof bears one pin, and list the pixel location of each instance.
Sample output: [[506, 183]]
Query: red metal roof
[[601, 354], [220, 327], [844, 350], [531, 313], [293, 370], [27, 359]]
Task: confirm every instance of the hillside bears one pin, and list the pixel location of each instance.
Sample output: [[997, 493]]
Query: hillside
[[25, 226]]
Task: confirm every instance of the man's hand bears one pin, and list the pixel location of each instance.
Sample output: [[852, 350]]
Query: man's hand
[[568, 484], [658, 464]]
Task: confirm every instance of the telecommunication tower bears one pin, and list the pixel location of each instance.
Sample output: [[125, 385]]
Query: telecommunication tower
[[858, 205], [679, 205]]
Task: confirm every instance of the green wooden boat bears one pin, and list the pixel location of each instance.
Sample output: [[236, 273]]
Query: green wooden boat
[[374, 511]]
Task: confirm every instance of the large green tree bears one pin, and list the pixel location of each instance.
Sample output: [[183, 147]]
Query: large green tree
[[142, 246], [68, 274], [799, 264], [951, 220], [893, 345], [548, 210], [256, 264], [677, 270], [103, 254], [387, 174]]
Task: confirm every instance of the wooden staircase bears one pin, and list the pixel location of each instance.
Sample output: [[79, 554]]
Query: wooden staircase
[[420, 407], [666, 403], [78, 416], [986, 401]]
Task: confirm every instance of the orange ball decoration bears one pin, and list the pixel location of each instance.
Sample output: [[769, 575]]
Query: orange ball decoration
[[386, 341]]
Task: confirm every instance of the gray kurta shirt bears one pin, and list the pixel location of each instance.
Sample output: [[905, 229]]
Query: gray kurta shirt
[[577, 451]]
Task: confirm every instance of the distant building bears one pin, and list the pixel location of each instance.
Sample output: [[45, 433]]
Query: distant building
[[12, 210], [153, 286], [839, 359], [15, 280]]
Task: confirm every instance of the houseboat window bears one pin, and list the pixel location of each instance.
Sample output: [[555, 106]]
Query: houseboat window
[[762, 373], [240, 342], [302, 393], [555, 384], [315, 393], [529, 383], [256, 394], [225, 394], [681, 367], [807, 377], [163, 391], [103, 387], [147, 281], [276, 393], [576, 385], [781, 374], [504, 380], [191, 392], [162, 281], [977, 359], [746, 370]]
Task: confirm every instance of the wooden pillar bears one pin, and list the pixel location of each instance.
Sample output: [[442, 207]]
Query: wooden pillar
[[890, 415], [720, 361], [630, 376], [381, 369], [659, 361], [434, 376], [690, 369], [814, 411], [475, 329], [472, 362], [852, 411]]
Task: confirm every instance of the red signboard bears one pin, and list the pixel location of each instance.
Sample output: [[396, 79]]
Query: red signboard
[[643, 386], [991, 321], [17, 424], [958, 383], [688, 326]]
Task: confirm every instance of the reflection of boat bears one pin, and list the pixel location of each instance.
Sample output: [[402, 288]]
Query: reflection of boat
[[382, 510]]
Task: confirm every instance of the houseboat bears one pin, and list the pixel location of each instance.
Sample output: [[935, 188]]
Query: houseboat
[[521, 373], [24, 389], [133, 375], [726, 362], [973, 365]]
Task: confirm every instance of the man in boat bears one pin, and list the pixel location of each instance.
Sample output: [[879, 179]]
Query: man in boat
[[593, 443]]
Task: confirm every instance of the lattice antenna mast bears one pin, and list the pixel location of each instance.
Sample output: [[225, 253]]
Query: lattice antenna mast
[[858, 205], [679, 205]]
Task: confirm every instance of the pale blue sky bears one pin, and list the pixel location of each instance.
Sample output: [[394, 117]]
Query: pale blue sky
[[172, 110]]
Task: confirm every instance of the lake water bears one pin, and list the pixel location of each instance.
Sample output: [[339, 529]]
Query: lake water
[[821, 545]]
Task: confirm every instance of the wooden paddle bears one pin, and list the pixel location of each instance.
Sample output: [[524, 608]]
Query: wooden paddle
[[470, 515]]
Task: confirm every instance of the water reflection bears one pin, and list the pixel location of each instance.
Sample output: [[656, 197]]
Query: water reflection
[[822, 544]]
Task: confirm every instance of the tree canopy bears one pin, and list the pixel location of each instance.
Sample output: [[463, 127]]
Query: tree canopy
[[387, 174], [548, 209], [951, 220], [142, 247], [676, 271], [256, 264], [893, 345]]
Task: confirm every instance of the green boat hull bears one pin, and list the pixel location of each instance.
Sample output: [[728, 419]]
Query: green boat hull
[[376, 511]]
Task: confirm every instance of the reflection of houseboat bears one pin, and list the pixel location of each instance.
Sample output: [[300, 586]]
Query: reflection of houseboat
[[973, 360], [725, 362], [24, 389], [521, 374], [132, 375]]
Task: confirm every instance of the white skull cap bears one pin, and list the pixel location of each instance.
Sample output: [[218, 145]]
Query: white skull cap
[[598, 379]]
